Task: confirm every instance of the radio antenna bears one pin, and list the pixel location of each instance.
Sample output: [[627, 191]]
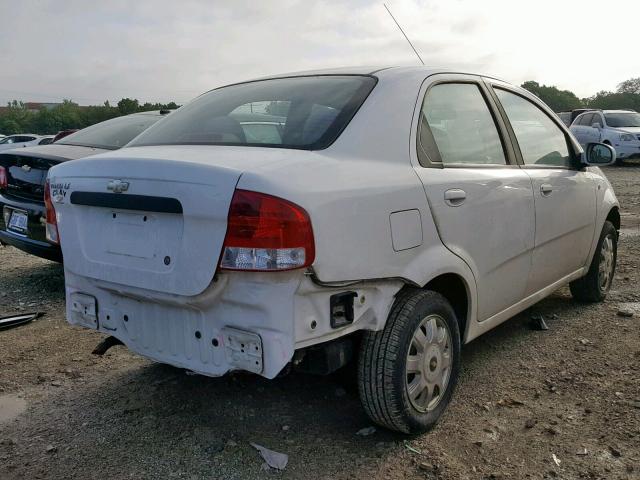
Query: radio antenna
[[405, 35]]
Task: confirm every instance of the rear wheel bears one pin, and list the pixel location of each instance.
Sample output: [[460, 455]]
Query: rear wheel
[[408, 371], [595, 285]]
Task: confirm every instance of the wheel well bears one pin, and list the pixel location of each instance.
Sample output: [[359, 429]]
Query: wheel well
[[454, 289], [614, 217], [607, 142]]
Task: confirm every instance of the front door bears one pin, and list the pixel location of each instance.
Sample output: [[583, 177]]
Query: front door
[[482, 203], [565, 194]]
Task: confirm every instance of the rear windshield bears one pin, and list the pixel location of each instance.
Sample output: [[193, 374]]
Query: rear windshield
[[111, 134], [617, 120], [301, 112]]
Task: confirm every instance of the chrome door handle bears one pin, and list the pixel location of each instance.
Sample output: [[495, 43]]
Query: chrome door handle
[[546, 189], [455, 197]]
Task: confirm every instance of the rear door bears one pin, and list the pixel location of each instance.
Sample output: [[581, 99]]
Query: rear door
[[481, 201], [24, 141], [582, 128], [565, 193], [595, 133], [577, 127]]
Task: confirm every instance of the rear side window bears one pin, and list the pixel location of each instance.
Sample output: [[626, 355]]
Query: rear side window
[[463, 129], [596, 119], [541, 141], [585, 120], [300, 112], [111, 134]]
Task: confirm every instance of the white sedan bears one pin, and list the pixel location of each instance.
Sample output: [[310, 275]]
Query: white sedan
[[382, 217], [18, 141]]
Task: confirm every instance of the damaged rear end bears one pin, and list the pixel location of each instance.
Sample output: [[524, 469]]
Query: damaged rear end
[[166, 251], [141, 256]]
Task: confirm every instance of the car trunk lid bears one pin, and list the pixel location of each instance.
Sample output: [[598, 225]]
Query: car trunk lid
[[147, 221], [27, 168]]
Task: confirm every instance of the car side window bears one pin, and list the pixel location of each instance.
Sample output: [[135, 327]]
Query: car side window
[[458, 118], [541, 141], [596, 119]]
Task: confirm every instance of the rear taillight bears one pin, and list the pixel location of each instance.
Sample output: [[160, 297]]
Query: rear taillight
[[51, 220], [4, 181], [266, 233]]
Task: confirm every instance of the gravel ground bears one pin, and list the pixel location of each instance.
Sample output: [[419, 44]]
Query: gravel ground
[[562, 403]]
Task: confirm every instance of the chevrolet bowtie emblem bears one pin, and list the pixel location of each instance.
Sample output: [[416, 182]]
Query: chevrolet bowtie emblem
[[117, 186]]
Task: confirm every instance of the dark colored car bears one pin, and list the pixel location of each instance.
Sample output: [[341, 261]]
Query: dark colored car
[[23, 173], [63, 133], [568, 117]]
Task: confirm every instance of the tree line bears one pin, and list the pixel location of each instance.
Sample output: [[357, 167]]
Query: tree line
[[626, 96], [17, 118]]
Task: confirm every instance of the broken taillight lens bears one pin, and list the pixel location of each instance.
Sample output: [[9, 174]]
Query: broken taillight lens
[[51, 219], [266, 233]]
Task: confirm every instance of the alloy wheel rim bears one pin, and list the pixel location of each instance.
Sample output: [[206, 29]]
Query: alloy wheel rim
[[605, 268], [428, 365]]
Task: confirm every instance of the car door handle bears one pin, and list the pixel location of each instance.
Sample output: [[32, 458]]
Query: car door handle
[[455, 197], [546, 189]]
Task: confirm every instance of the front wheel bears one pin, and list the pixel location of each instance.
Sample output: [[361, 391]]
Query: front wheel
[[408, 371], [595, 285]]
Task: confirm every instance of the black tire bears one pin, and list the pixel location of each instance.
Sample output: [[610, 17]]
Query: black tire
[[590, 289], [382, 363]]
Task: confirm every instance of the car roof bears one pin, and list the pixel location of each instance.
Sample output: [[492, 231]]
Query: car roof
[[619, 111], [380, 71]]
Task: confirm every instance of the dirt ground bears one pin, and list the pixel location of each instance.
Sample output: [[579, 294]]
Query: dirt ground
[[562, 403]]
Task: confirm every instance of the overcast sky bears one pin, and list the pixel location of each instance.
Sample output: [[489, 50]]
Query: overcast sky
[[162, 50]]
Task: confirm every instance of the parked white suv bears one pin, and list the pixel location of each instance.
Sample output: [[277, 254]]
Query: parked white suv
[[618, 128], [383, 215]]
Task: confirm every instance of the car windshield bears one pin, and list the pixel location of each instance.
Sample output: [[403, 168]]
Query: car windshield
[[300, 112], [111, 134], [630, 119], [6, 140]]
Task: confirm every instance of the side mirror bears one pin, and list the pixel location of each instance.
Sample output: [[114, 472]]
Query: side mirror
[[596, 125], [599, 154]]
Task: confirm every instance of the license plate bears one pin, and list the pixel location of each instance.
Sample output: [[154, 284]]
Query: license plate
[[18, 221]]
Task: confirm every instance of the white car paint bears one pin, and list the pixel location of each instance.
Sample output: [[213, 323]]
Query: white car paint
[[625, 140], [380, 221], [18, 141]]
